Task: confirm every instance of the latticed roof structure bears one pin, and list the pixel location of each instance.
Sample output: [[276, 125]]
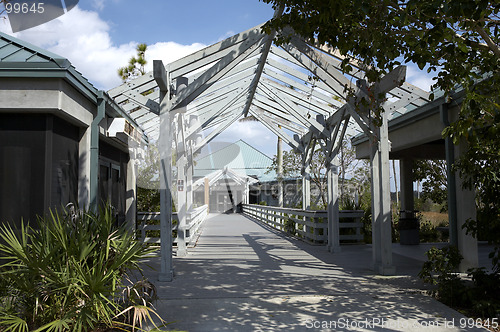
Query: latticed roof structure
[[296, 90], [298, 87]]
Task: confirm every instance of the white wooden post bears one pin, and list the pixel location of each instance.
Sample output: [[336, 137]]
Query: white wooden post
[[182, 181], [381, 200], [165, 149], [181, 189], [306, 189], [467, 244], [279, 158], [333, 206]]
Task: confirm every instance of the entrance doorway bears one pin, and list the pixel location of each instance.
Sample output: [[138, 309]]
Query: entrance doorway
[[224, 204]]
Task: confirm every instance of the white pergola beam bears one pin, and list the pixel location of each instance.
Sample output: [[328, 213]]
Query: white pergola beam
[[279, 121], [262, 100], [217, 100], [300, 99], [275, 129], [176, 67], [292, 108], [300, 85], [205, 123], [301, 76], [226, 123], [217, 71]]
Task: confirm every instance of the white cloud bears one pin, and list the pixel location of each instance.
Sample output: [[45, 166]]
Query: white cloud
[[169, 51], [98, 4], [228, 34], [83, 37], [419, 78]]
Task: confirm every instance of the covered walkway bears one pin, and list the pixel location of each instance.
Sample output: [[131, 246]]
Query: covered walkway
[[245, 276]]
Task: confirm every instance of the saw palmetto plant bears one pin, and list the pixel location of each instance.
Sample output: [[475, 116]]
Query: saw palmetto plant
[[68, 272]]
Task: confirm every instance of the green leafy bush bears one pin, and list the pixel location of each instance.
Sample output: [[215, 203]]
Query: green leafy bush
[[485, 293], [72, 271], [440, 270], [428, 232], [479, 297]]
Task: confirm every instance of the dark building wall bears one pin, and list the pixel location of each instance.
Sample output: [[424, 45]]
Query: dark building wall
[[38, 165], [112, 178], [64, 168], [22, 166]]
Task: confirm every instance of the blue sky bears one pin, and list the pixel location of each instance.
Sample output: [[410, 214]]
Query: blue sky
[[184, 22]]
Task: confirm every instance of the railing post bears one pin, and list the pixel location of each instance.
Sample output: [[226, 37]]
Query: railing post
[[306, 189]]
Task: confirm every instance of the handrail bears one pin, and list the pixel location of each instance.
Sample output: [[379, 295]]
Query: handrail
[[150, 221], [309, 225]]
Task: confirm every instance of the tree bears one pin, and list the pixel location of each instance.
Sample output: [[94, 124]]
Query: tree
[[292, 165], [148, 181], [135, 66], [148, 177], [432, 173], [458, 40]]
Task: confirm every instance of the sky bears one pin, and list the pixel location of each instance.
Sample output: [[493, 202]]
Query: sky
[[99, 36]]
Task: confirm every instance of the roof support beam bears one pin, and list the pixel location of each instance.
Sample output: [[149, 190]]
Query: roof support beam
[[306, 78], [336, 81], [301, 99], [310, 89], [276, 130], [227, 122], [215, 115], [273, 107], [217, 71], [299, 114], [280, 120], [143, 101], [179, 67], [217, 100], [262, 62], [136, 84]]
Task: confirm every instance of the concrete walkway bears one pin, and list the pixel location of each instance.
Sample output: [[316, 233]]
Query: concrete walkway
[[244, 276]]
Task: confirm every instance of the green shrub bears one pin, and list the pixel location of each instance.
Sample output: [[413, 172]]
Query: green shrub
[[439, 270], [72, 271], [479, 297], [485, 295], [428, 232]]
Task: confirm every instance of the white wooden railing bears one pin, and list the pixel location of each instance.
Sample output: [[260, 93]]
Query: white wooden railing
[[150, 221], [310, 226]]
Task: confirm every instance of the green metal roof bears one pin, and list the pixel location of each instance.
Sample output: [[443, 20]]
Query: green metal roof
[[14, 50], [241, 157], [19, 58]]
